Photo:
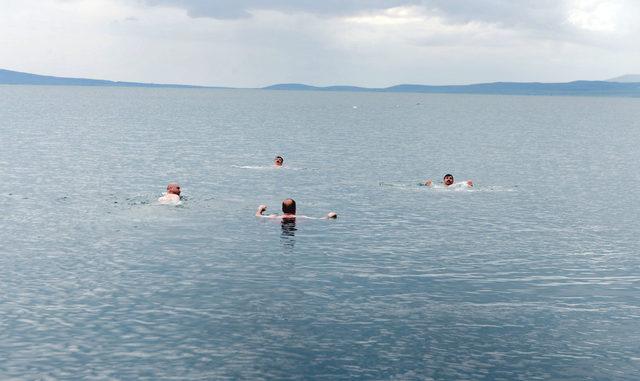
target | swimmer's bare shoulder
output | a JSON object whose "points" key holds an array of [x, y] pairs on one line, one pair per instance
{"points": [[169, 198]]}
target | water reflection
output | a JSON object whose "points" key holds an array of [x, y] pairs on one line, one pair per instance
{"points": [[288, 235]]}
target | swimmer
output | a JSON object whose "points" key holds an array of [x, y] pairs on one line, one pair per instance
{"points": [[448, 181], [288, 212], [172, 196], [278, 161]]}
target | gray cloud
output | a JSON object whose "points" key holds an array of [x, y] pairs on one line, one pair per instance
{"points": [[529, 19], [540, 19], [233, 9], [545, 19], [523, 13]]}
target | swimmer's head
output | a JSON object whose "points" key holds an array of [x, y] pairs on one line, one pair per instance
{"points": [[447, 179], [278, 161], [289, 206], [173, 188]]}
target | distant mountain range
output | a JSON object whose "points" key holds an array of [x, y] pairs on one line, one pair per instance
{"points": [[626, 78], [594, 88], [9, 77], [626, 85]]}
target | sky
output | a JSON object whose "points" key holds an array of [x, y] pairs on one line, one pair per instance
{"points": [[375, 43]]}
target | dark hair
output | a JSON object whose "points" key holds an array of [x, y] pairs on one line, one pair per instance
{"points": [[279, 157], [289, 206], [447, 175]]}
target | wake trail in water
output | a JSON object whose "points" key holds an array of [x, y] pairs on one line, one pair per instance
{"points": [[457, 187], [271, 168]]}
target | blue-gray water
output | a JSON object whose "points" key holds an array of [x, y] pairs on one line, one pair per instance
{"points": [[533, 275]]}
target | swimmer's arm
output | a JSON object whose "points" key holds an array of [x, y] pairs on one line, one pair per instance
{"points": [[469, 183], [331, 215], [261, 210]]}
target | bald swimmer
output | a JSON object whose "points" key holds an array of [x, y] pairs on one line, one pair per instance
{"points": [[172, 196], [288, 211]]}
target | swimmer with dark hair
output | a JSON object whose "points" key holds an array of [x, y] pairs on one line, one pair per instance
{"points": [[172, 196], [278, 161], [448, 181], [288, 212]]}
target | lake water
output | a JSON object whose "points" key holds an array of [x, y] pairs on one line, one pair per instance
{"points": [[532, 275]]}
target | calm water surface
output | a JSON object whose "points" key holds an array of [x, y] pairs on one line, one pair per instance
{"points": [[533, 275]]}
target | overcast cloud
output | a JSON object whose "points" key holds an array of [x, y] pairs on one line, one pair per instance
{"points": [[362, 42]]}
